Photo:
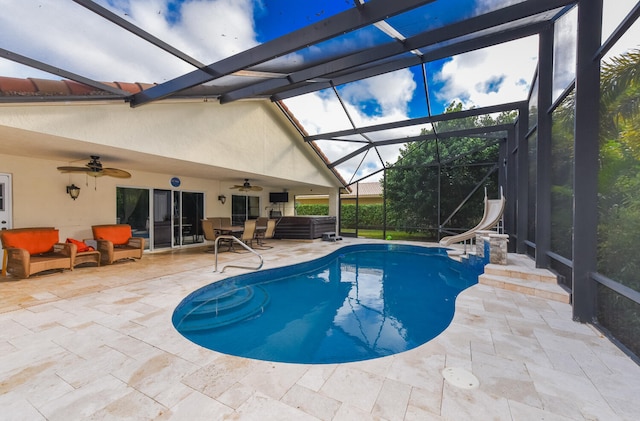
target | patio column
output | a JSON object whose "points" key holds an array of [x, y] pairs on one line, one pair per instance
{"points": [[507, 168], [522, 168], [587, 124], [334, 203], [543, 160]]}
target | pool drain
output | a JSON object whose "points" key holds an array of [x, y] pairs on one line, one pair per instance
{"points": [[461, 378]]}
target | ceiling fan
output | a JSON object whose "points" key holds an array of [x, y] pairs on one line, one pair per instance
{"points": [[246, 186], [94, 169]]}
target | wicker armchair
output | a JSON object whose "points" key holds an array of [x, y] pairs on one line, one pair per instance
{"points": [[115, 242], [31, 250]]}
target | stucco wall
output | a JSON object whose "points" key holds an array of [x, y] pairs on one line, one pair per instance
{"points": [[39, 196], [250, 136], [40, 199]]}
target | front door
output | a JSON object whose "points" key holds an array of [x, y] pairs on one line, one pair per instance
{"points": [[5, 202]]}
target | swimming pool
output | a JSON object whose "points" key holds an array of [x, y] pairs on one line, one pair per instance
{"points": [[357, 303]]}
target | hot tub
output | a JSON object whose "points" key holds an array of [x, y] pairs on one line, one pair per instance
{"points": [[304, 227]]}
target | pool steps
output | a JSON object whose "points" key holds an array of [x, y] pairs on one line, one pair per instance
{"points": [[521, 275], [229, 307], [228, 301]]}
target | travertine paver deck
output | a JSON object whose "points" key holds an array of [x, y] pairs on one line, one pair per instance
{"points": [[97, 343]]}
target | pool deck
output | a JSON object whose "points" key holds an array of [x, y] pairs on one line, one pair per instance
{"points": [[97, 343]]}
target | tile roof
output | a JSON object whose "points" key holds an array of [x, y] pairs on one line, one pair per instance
{"points": [[10, 86], [365, 189]]}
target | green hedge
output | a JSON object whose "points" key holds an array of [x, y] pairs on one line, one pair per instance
{"points": [[371, 216], [314, 209]]}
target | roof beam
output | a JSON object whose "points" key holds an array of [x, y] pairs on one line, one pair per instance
{"points": [[443, 135], [422, 120], [449, 50], [432, 37], [349, 20]]}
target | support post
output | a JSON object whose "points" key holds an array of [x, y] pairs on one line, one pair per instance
{"points": [[522, 159], [543, 159], [586, 144]]}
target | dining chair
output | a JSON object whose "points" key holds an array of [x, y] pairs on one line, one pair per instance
{"points": [[211, 233], [248, 235], [261, 222], [267, 234]]}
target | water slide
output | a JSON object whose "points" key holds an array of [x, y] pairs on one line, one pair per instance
{"points": [[493, 210]]}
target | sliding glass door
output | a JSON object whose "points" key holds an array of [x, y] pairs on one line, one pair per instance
{"points": [[165, 218], [133, 208], [162, 212], [188, 224]]}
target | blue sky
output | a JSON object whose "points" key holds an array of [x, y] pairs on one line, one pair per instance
{"points": [[209, 30], [275, 18]]}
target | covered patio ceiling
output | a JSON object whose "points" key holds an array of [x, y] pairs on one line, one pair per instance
{"points": [[312, 51]]}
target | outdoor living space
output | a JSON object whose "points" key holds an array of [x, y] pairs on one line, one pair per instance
{"points": [[98, 343]]}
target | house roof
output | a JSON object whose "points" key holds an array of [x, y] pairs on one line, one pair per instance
{"points": [[48, 89], [373, 189], [65, 90]]}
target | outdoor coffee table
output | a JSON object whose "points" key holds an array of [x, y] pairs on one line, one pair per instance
{"points": [[91, 256]]}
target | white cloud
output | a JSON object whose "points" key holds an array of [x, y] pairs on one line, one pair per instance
{"points": [[486, 77], [485, 6], [322, 113], [213, 31], [72, 38], [511, 64], [613, 13], [464, 77], [391, 92]]}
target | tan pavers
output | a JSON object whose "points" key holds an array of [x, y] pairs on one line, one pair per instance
{"points": [[98, 343]]}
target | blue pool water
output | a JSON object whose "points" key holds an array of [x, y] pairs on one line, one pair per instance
{"points": [[359, 302]]}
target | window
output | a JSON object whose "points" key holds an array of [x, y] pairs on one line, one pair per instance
{"points": [[243, 208]]}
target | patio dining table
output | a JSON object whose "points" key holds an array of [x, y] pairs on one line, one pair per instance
{"points": [[234, 230], [231, 229]]}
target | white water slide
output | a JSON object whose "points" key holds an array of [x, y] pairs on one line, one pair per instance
{"points": [[493, 210]]}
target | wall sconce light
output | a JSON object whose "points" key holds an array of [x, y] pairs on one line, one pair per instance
{"points": [[222, 198], [73, 191]]}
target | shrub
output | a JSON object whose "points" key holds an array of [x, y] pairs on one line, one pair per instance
{"points": [[312, 209]]}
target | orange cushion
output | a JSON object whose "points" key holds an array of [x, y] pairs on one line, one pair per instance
{"points": [[81, 245], [117, 234], [34, 241]]}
